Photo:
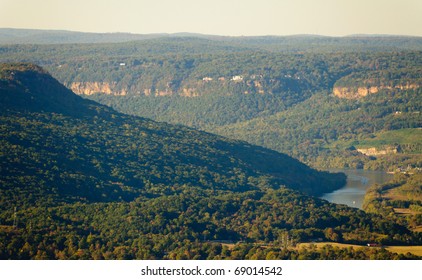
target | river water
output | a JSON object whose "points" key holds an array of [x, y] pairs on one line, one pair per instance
{"points": [[358, 181]]}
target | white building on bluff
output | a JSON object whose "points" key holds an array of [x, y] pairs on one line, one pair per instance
{"points": [[237, 78]]}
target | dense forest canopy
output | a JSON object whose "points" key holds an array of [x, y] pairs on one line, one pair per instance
{"points": [[80, 180], [258, 89]]}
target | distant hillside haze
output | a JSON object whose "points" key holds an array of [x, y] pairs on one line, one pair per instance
{"points": [[279, 43], [34, 36]]}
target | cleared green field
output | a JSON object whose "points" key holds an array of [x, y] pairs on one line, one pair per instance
{"points": [[409, 138], [401, 136]]}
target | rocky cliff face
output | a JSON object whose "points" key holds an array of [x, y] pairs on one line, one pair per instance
{"points": [[359, 92], [378, 152], [89, 88], [189, 92], [186, 88]]}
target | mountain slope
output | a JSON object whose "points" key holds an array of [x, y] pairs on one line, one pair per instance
{"points": [[81, 181], [255, 95], [80, 149], [333, 130], [27, 87], [205, 83]]}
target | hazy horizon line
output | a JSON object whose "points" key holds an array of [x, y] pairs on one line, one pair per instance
{"points": [[215, 35]]}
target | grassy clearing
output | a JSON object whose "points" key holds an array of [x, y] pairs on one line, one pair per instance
{"points": [[400, 194], [228, 245], [404, 211], [417, 229], [4, 228], [401, 136], [321, 244], [386, 138], [409, 191], [416, 250]]}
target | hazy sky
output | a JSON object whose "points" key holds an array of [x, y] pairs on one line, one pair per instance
{"points": [[220, 17]]}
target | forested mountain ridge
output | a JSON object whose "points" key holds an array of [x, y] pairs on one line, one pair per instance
{"points": [[357, 85], [334, 132], [29, 88], [39, 113], [81, 181], [221, 85]]}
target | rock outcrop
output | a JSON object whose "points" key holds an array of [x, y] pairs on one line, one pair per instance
{"points": [[89, 88], [378, 152], [359, 92]]}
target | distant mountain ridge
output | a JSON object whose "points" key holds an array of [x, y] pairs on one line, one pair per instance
{"points": [[216, 84], [38, 36]]}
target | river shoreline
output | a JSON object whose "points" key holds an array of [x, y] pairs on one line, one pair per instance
{"points": [[358, 181]]}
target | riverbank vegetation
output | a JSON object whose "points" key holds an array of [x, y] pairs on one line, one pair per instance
{"points": [[399, 200]]}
